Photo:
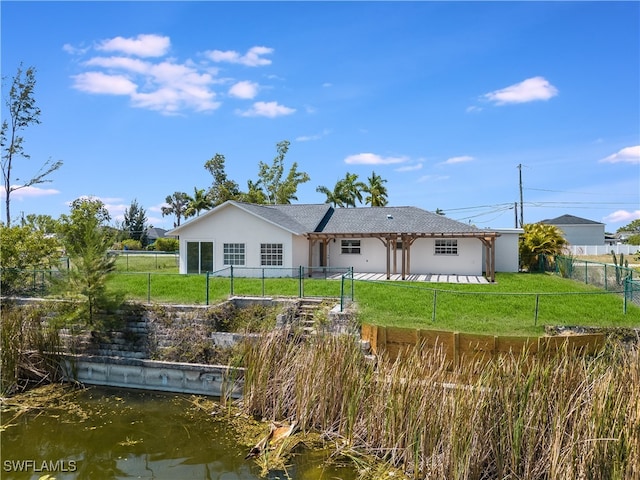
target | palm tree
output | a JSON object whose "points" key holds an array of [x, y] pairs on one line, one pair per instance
{"points": [[351, 189], [200, 201], [538, 242], [377, 192], [254, 194], [334, 196], [176, 205]]}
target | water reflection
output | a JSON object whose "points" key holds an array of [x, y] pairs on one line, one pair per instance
{"points": [[105, 433]]}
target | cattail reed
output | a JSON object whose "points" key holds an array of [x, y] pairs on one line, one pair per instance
{"points": [[564, 416]]}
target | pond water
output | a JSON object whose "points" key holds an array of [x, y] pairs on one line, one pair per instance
{"points": [[107, 433]]}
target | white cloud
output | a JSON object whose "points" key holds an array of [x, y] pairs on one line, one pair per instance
{"points": [[410, 168], [98, 82], [134, 68], [622, 216], [253, 57], [141, 46], [267, 109], [244, 89], [529, 90], [317, 136], [432, 178], [166, 87], [473, 109], [120, 63], [461, 159], [372, 159], [628, 154], [28, 192]]}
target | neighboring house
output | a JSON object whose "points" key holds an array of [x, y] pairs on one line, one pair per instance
{"points": [[578, 231], [387, 240], [154, 233]]}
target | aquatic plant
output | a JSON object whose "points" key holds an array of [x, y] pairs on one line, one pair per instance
{"points": [[560, 416], [30, 353]]}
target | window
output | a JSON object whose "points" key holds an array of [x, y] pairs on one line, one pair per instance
{"points": [[199, 257], [446, 246], [271, 254], [233, 253], [350, 246]]}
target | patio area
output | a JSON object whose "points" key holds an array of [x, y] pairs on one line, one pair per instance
{"points": [[431, 278]]}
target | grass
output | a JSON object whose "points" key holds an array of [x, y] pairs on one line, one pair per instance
{"points": [[518, 304]]}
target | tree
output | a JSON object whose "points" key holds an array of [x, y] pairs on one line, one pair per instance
{"points": [[222, 189], [633, 227], [376, 191], [87, 239], [42, 223], [254, 194], [538, 242], [351, 189], [200, 201], [25, 250], [277, 190], [335, 196], [135, 222], [22, 113], [176, 205]]}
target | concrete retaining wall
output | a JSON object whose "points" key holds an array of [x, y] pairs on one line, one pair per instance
{"points": [[211, 380]]}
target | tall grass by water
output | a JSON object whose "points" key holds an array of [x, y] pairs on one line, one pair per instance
{"points": [[30, 349], [558, 417]]}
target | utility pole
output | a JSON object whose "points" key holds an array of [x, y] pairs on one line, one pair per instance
{"points": [[515, 209], [521, 203]]}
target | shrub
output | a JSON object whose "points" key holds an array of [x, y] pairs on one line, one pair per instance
{"points": [[131, 244], [166, 245]]}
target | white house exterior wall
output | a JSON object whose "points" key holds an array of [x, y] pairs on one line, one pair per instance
{"points": [[301, 251], [373, 257], [233, 225], [507, 250]]}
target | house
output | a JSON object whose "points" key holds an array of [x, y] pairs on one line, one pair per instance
{"points": [[578, 231], [369, 239]]}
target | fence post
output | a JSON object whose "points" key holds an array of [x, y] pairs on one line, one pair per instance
{"points": [[605, 277], [300, 274], [535, 321], [207, 287], [586, 272], [263, 282], [149, 288], [341, 292], [627, 287], [352, 285], [433, 313], [231, 280]]}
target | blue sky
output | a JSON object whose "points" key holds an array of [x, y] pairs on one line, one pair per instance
{"points": [[442, 99]]}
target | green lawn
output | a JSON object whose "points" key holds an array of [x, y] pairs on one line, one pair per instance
{"points": [[518, 304]]}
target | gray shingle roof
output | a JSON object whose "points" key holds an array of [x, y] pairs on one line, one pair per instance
{"points": [[323, 218], [569, 220], [393, 220], [299, 219]]}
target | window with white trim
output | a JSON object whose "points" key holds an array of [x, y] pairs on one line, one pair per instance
{"points": [[446, 246], [233, 253], [271, 254], [350, 246]]}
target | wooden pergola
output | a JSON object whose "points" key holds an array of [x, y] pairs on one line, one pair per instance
{"points": [[390, 241]]}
